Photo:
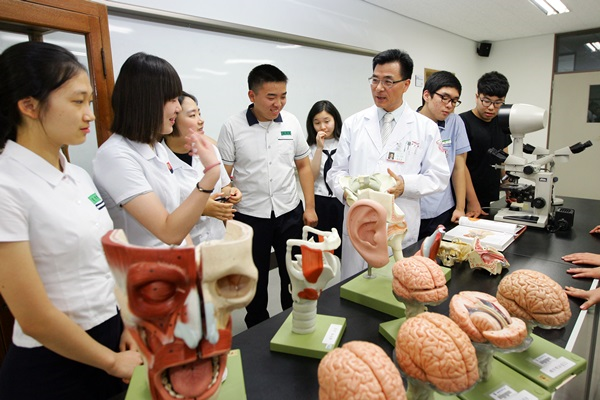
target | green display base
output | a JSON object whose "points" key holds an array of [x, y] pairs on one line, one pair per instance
{"points": [[376, 293], [316, 344], [390, 329], [233, 388], [559, 365], [503, 382]]}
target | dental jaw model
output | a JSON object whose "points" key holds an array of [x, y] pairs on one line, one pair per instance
{"points": [[374, 187], [176, 302], [309, 274]]}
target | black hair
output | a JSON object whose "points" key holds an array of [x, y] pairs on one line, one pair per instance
{"points": [[395, 55], [264, 73], [319, 106], [31, 69], [144, 85], [182, 97], [493, 84], [441, 79]]}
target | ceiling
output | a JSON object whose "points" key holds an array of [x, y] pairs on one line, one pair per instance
{"points": [[493, 20]]}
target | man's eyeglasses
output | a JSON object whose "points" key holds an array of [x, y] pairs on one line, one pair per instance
{"points": [[447, 99], [387, 83], [486, 102]]}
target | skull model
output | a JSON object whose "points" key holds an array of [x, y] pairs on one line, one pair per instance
{"points": [[453, 252], [176, 302]]}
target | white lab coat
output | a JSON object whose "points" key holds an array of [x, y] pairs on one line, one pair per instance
{"points": [[360, 152]]}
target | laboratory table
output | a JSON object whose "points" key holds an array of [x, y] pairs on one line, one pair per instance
{"points": [[273, 375]]}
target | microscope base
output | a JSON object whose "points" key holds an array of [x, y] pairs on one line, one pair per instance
{"points": [[521, 218]]}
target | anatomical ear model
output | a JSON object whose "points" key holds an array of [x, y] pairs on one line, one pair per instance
{"points": [[176, 302], [359, 371], [367, 230], [535, 298], [453, 252], [435, 354], [375, 187], [486, 258], [418, 281], [309, 274], [489, 326]]}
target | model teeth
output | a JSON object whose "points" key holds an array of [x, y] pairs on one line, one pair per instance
{"points": [[169, 388]]}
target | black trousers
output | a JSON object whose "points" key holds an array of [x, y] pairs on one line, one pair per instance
{"points": [[429, 225], [331, 215], [275, 232], [39, 373]]}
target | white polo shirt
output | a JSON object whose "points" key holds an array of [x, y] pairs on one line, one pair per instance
{"points": [[207, 228], [63, 218], [320, 188], [123, 170], [263, 156]]}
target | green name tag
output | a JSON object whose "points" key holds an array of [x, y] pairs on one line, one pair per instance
{"points": [[94, 198], [286, 133]]}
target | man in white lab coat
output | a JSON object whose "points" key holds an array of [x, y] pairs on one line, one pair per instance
{"points": [[389, 137]]}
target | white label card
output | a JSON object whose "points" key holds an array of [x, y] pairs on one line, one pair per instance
{"points": [[558, 367], [332, 335], [507, 393]]}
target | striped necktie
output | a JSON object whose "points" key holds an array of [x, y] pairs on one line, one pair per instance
{"points": [[386, 129]]}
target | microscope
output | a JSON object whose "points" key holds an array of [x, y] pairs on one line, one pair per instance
{"points": [[533, 203]]}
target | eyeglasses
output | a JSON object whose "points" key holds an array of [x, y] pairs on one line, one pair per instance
{"points": [[387, 83], [486, 102], [447, 99]]}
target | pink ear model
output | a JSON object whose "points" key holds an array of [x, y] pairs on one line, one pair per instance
{"points": [[367, 229]]}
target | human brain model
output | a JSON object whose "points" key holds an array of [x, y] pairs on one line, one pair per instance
{"points": [[533, 296], [485, 320], [359, 370], [419, 279], [432, 348]]}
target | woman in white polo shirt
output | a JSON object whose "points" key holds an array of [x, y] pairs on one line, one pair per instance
{"points": [[188, 169], [132, 169], [53, 274]]}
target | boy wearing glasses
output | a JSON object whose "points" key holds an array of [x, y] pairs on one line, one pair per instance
{"points": [[483, 180], [440, 96], [390, 138]]}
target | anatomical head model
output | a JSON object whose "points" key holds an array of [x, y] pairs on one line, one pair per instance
{"points": [[431, 244], [486, 258], [432, 349], [309, 274], [176, 302], [489, 326], [374, 187], [418, 281], [535, 298], [359, 371]]}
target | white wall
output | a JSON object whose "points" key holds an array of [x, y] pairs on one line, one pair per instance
{"points": [[526, 62]]}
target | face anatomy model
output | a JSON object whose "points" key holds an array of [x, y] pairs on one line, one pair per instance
{"points": [[176, 302], [309, 274]]}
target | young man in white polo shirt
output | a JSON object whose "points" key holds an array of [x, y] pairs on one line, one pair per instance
{"points": [[265, 145]]}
